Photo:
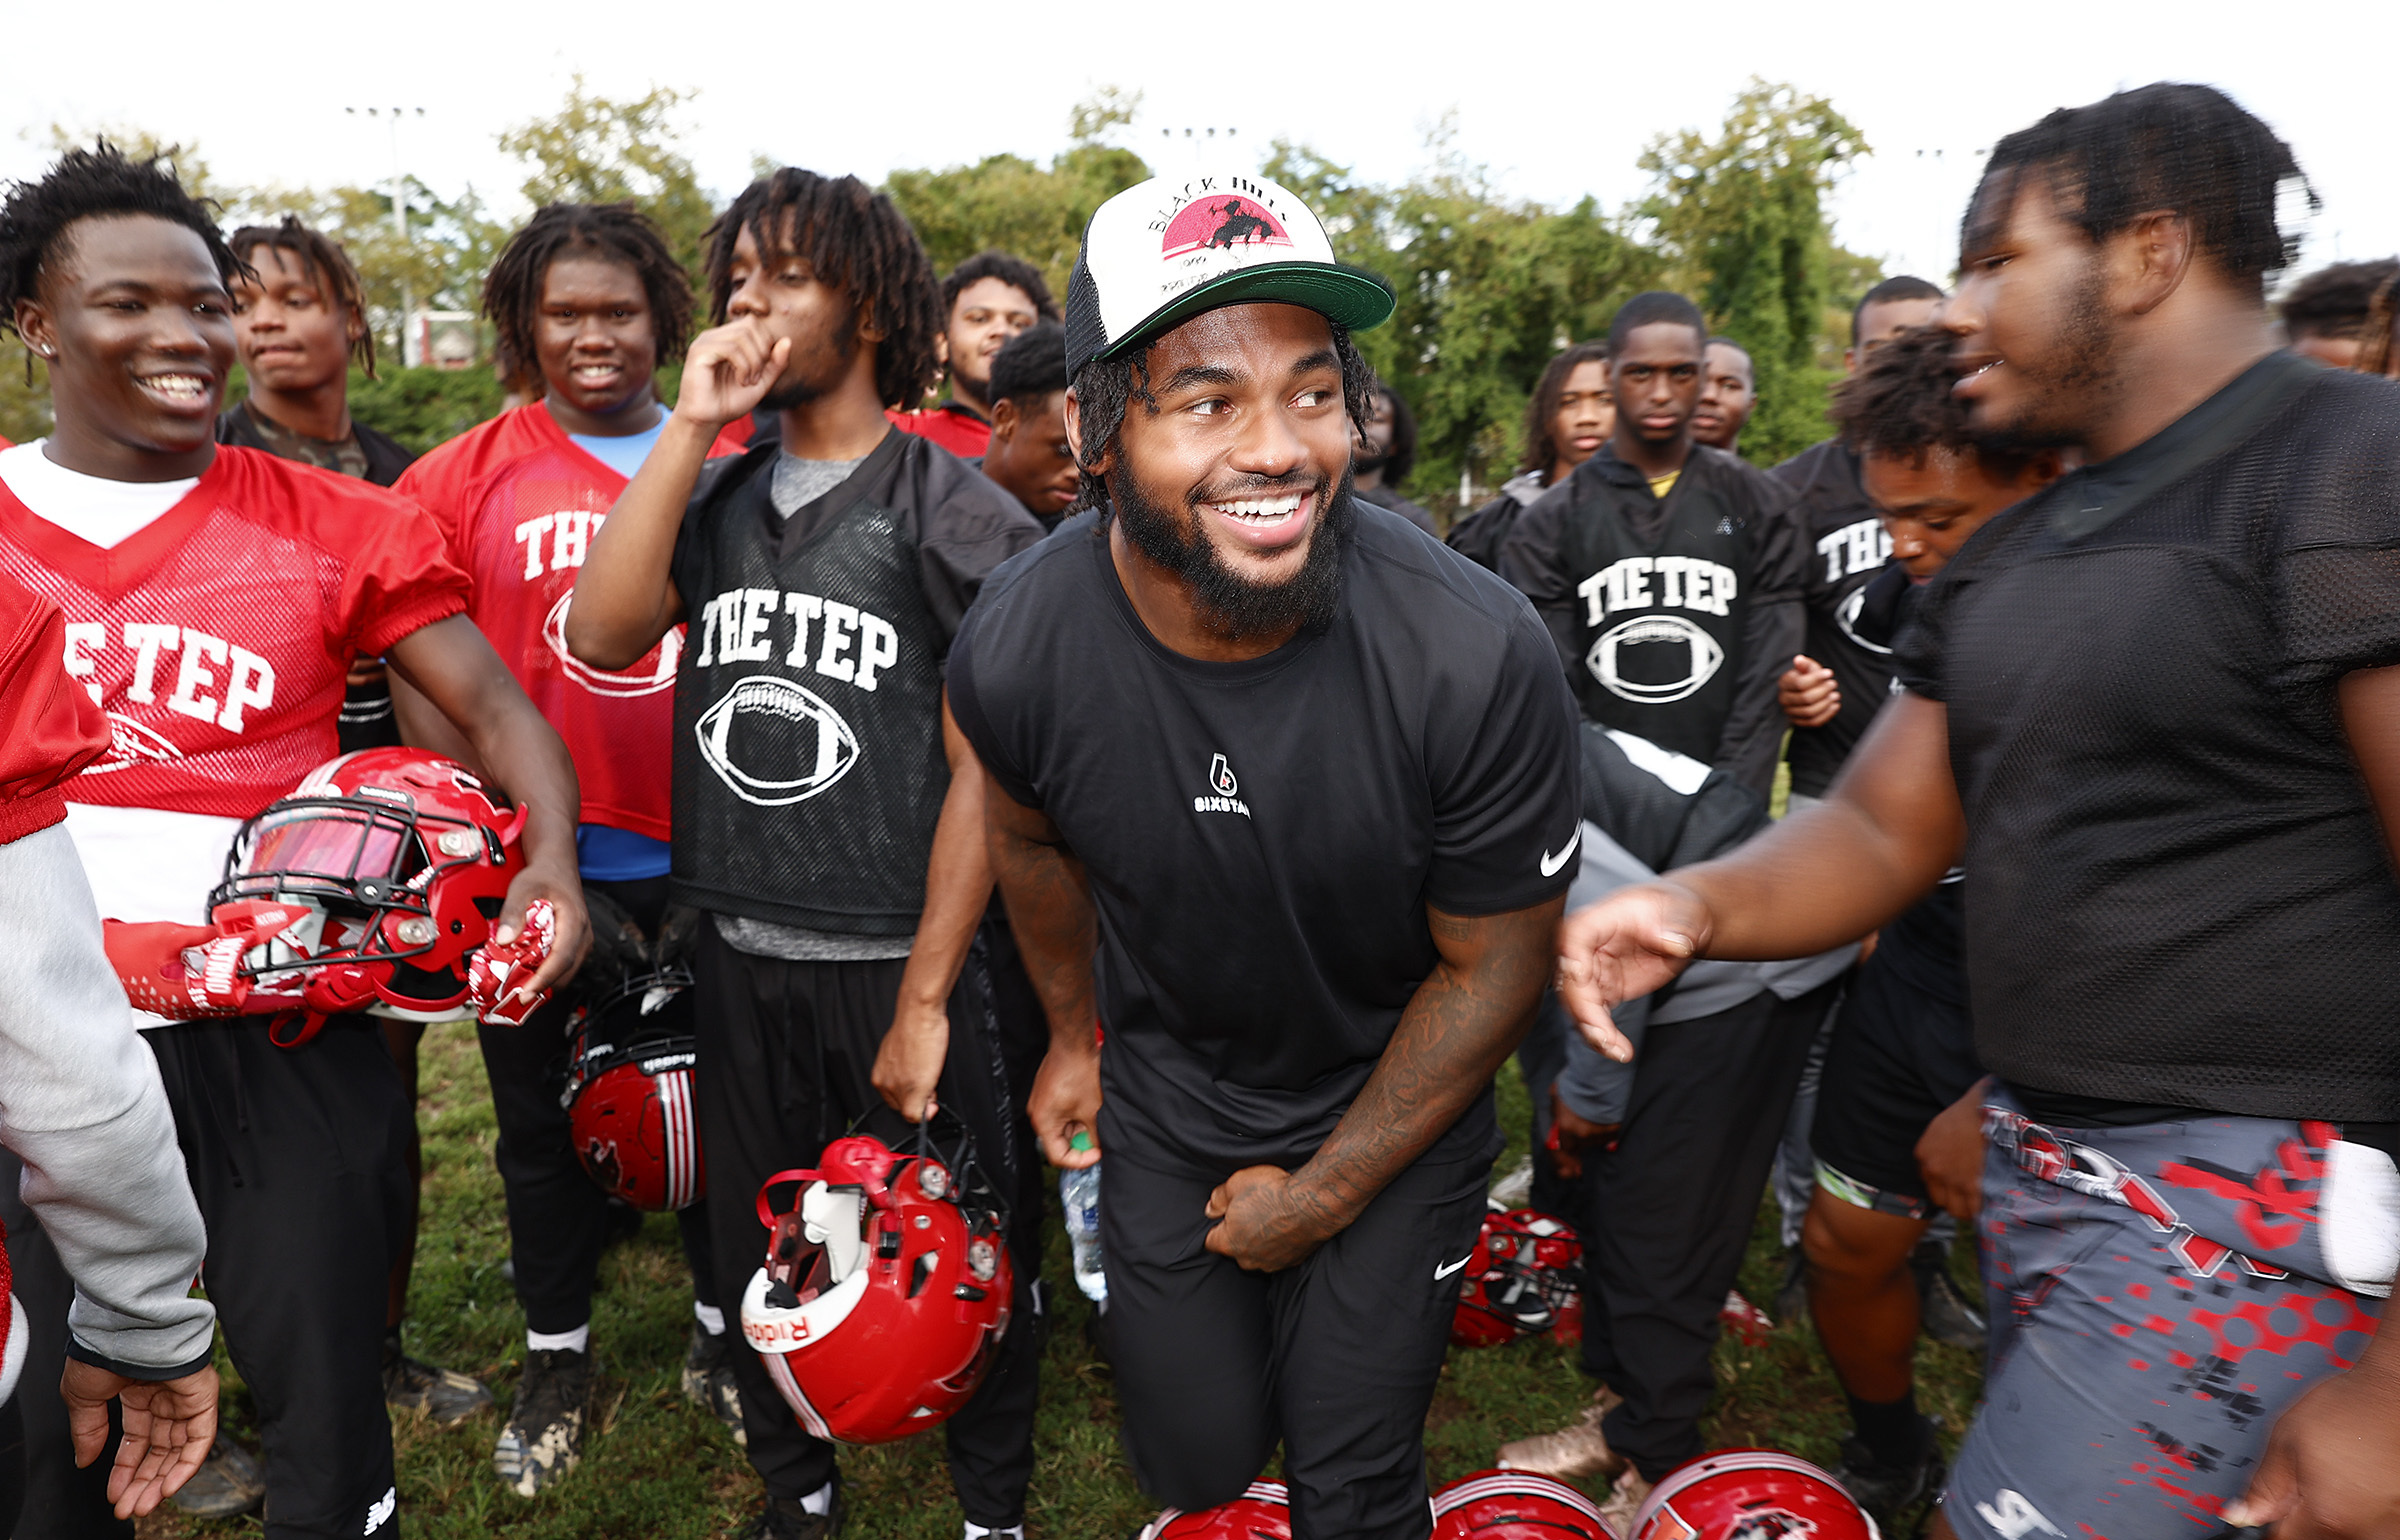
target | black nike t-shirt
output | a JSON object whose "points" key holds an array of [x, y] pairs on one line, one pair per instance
{"points": [[2177, 889], [1263, 838]]}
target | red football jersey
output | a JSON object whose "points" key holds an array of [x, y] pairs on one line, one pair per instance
{"points": [[953, 427], [217, 638], [520, 502]]}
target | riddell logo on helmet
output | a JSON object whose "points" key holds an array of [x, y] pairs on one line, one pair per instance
{"points": [[777, 1334]]}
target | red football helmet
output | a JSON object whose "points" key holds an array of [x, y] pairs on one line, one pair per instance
{"points": [[629, 1094], [1751, 1494], [374, 885], [1526, 1276], [1515, 1505], [1264, 1512], [886, 1287]]}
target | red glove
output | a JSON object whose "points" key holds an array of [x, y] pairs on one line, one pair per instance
{"points": [[491, 968], [186, 972]]}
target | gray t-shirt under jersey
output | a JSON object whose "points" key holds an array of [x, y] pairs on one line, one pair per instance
{"points": [[796, 484]]}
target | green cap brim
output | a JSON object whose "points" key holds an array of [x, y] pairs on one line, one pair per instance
{"points": [[1350, 297]]}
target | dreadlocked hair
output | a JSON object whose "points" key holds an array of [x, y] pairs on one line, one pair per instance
{"points": [[2379, 344], [853, 239], [97, 183], [2188, 148], [1541, 413], [612, 232], [1900, 404], [1105, 387], [325, 258]]}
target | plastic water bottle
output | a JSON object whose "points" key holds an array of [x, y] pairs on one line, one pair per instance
{"points": [[1079, 1194]]}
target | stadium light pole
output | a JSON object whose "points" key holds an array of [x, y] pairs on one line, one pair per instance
{"points": [[390, 117]]}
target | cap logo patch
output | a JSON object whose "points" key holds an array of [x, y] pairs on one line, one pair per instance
{"points": [[1229, 222]]}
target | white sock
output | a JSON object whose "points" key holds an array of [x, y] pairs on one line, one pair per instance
{"points": [[819, 1501], [710, 1317], [978, 1532], [577, 1341]]}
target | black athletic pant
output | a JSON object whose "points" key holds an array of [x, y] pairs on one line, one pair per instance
{"points": [[786, 1052], [1673, 1207], [60, 1502], [1023, 1032], [12, 1466], [1336, 1357], [558, 1220], [295, 1156]]}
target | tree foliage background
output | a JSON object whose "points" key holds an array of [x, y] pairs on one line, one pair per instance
{"points": [[1489, 287]]}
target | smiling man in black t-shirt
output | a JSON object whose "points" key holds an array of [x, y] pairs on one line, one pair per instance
{"points": [[1307, 782], [2156, 709]]}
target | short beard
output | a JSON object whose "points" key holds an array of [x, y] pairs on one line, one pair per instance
{"points": [[791, 392], [1232, 606], [2076, 381]]}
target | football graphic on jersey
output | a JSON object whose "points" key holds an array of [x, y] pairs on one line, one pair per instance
{"points": [[774, 743], [653, 674], [1654, 659], [1845, 615], [131, 744]]}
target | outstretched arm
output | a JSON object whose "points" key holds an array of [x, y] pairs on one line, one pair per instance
{"points": [[1466, 1018], [451, 665], [1888, 830], [1049, 901]]}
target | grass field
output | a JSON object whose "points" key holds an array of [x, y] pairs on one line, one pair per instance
{"points": [[654, 1465]]}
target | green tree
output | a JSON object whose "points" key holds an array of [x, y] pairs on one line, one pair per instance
{"points": [[1739, 221], [599, 149], [1009, 203], [1489, 290]]}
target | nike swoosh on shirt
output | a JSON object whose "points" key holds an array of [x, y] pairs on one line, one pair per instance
{"points": [[1551, 864], [1440, 1273]]}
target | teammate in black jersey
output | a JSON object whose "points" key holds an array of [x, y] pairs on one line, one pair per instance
{"points": [[1668, 572], [1902, 1055], [1029, 454], [2156, 709], [1728, 395], [817, 816], [1569, 417]]}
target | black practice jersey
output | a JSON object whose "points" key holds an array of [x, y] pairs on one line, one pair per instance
{"points": [[2177, 889], [1673, 616], [1263, 837], [1844, 546], [809, 769]]}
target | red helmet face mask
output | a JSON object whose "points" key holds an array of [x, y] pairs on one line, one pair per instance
{"points": [[886, 1289], [1750, 1494], [1264, 1512], [1515, 1505], [373, 886], [1526, 1277], [629, 1094]]}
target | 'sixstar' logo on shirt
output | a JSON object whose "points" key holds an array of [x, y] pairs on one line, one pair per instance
{"points": [[1220, 776]]}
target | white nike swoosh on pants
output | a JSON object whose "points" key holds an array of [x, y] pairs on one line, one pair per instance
{"points": [[1440, 1273]]}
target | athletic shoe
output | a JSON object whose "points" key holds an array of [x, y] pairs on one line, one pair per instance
{"points": [[445, 1396], [1624, 1501], [228, 1484], [1575, 1452], [1942, 1312], [782, 1518], [708, 1379], [544, 1436], [1791, 1295], [1890, 1491]]}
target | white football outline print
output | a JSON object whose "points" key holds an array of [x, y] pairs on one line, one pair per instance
{"points": [[1845, 616], [837, 745], [131, 745], [1706, 658], [624, 685]]}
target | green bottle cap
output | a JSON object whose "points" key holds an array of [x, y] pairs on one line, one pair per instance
{"points": [[1081, 1141]]}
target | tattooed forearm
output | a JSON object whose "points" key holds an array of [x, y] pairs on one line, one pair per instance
{"points": [[1465, 1019]]}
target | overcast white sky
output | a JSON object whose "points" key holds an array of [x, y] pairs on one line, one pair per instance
{"points": [[1557, 100]]}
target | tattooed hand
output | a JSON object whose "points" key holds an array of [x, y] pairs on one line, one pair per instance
{"points": [[1267, 1222]]}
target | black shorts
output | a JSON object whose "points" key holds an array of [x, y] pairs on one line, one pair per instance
{"points": [[1900, 1054]]}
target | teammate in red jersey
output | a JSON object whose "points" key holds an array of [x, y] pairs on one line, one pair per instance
{"points": [[214, 599], [594, 299], [986, 300]]}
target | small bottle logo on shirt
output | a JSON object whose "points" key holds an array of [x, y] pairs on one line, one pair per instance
{"points": [[1220, 775]]}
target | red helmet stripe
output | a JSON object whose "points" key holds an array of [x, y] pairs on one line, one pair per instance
{"points": [[1512, 1484]]}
